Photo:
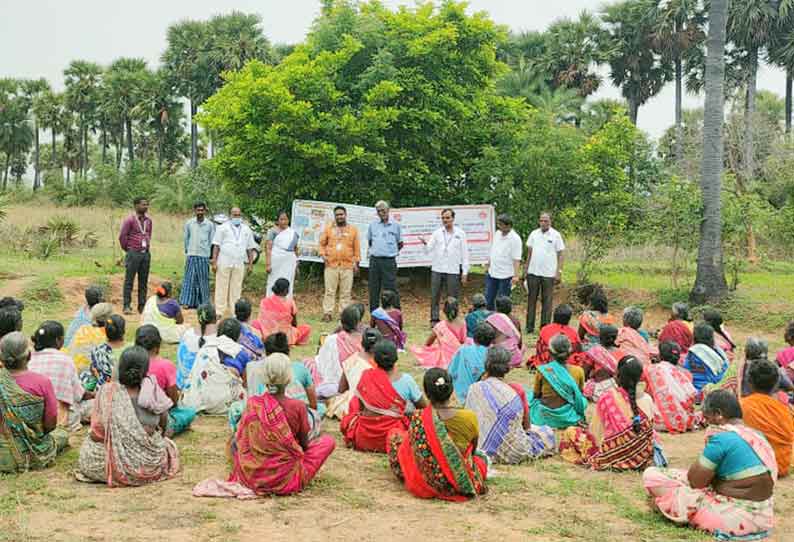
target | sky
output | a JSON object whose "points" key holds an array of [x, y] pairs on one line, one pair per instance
{"points": [[38, 38]]}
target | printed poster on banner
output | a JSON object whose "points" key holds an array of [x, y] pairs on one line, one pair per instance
{"points": [[478, 221]]}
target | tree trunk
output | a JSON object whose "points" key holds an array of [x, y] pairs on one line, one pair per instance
{"points": [[85, 152], [679, 121], [104, 146], [130, 156], [634, 108], [5, 170], [36, 154], [710, 284], [54, 135], [789, 85], [749, 113], [80, 144], [160, 148], [193, 135]]}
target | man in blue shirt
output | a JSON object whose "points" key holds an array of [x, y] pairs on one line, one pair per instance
{"points": [[199, 232], [385, 240]]}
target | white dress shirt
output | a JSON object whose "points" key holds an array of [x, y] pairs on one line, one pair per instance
{"points": [[545, 246], [234, 242], [505, 251], [449, 251]]}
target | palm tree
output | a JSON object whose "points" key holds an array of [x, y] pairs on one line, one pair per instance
{"points": [[48, 108], [82, 80], [562, 103], [125, 84], [34, 90], [781, 52], [710, 281]]}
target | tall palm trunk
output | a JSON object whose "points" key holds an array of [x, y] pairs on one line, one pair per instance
{"points": [[130, 157], [5, 170], [54, 134], [84, 160], [710, 281], [789, 85], [104, 146], [634, 109], [749, 147], [193, 135], [679, 115], [36, 150]]}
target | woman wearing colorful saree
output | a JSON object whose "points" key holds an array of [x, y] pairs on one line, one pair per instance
{"points": [[672, 392], [271, 449], [105, 357], [281, 259], [389, 319], [164, 312], [678, 329], [29, 438], [591, 320], [722, 338], [380, 402], [560, 320], [352, 369], [600, 363], [88, 337], [119, 450], [557, 399], [630, 339], [192, 341], [277, 312], [785, 358], [479, 312], [706, 361], [728, 490], [508, 330], [445, 339], [327, 367], [468, 363], [506, 434], [437, 457], [249, 339]]}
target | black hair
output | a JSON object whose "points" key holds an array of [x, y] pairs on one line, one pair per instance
{"points": [[788, 335], [362, 310], [281, 212], [199, 204], [607, 335], [385, 354], [139, 199], [13, 303], [10, 320], [339, 208], [629, 375], [206, 315], [478, 302], [448, 210], [167, 289], [47, 335], [370, 338], [598, 302], [670, 351], [505, 219], [764, 375], [133, 366], [713, 318], [277, 343], [350, 318], [562, 314], [503, 304], [497, 361], [704, 334], [115, 327], [484, 334], [242, 310], [94, 295], [148, 337], [451, 308], [230, 327], [388, 299], [723, 402], [280, 287], [438, 385]]}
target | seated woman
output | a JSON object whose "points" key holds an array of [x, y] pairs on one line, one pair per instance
{"points": [[560, 320], [437, 457], [600, 363], [352, 369], [722, 338], [468, 363], [88, 337], [327, 367], [444, 340], [557, 399], [679, 328], [380, 402], [164, 312], [478, 313], [506, 434], [508, 330], [74, 401], [192, 341], [249, 339], [758, 349], [388, 319], [278, 312], [728, 490], [765, 413], [179, 417], [672, 392], [706, 361], [271, 450], [105, 357], [630, 339], [29, 438], [93, 295], [785, 358], [591, 321], [125, 446], [231, 329]]}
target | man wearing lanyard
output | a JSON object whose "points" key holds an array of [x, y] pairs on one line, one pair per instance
{"points": [[232, 252], [544, 269], [450, 261], [135, 239], [385, 240], [340, 249]]}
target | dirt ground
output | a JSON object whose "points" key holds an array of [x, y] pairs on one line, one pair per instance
{"points": [[355, 496]]}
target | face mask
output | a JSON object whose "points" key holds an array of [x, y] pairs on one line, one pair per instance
{"points": [[237, 221]]}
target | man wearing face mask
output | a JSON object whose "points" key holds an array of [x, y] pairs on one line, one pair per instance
{"points": [[232, 252], [385, 240], [340, 249], [199, 233]]}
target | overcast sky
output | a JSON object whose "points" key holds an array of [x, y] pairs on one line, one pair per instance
{"points": [[40, 37]]}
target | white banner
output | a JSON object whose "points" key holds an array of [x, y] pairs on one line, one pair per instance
{"points": [[478, 221]]}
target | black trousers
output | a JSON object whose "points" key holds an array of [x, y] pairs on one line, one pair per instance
{"points": [[136, 263], [439, 281], [382, 276], [544, 286]]}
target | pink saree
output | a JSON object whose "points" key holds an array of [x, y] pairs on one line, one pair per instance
{"points": [[632, 344], [276, 314], [509, 337], [440, 353], [673, 396]]}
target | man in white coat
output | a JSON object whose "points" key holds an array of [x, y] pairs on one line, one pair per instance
{"points": [[450, 261], [232, 253]]}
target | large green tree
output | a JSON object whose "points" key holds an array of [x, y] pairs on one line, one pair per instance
{"points": [[82, 80], [16, 135]]}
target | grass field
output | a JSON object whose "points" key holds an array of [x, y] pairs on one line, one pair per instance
{"points": [[355, 496]]}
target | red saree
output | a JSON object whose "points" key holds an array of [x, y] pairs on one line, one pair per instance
{"points": [[276, 314], [367, 432], [679, 333]]}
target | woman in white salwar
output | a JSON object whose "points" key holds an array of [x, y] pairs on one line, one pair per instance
{"points": [[281, 258]]}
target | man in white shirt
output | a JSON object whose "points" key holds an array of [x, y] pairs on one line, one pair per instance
{"points": [[232, 252], [450, 261], [544, 269], [504, 263]]}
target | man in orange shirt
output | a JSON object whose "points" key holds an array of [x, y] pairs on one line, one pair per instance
{"points": [[340, 248]]}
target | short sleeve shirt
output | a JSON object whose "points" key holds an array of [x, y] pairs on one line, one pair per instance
{"points": [[731, 457], [233, 243], [40, 386], [384, 239], [407, 388], [544, 246], [164, 371], [302, 375], [505, 250]]}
